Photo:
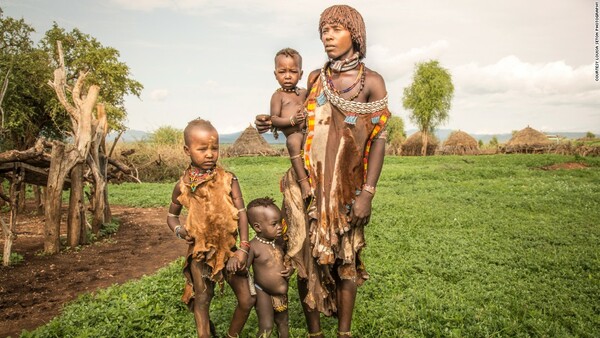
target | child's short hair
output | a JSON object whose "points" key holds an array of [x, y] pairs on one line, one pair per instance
{"points": [[291, 53], [351, 19], [196, 123], [259, 202]]}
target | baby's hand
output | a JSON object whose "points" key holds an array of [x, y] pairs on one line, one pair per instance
{"points": [[299, 117], [287, 272]]}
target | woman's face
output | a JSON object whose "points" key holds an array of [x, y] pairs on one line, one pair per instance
{"points": [[337, 41]]}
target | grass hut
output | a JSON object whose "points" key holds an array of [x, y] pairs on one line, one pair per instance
{"points": [[412, 146], [529, 141], [251, 143], [460, 143]]}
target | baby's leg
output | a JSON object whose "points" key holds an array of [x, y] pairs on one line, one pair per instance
{"points": [[264, 311], [245, 302], [294, 146], [282, 322], [203, 293]]}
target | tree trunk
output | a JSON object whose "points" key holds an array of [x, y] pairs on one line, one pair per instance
{"points": [[21, 202], [9, 229], [39, 205], [424, 139], [56, 180], [76, 217]]}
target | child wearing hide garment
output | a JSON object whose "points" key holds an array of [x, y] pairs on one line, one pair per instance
{"points": [[287, 111], [216, 215], [270, 275]]}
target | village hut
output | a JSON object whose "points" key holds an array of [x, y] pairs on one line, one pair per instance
{"points": [[413, 144], [250, 143], [529, 141], [459, 143]]}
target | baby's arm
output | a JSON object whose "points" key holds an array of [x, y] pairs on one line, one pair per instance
{"points": [[276, 110], [173, 217], [238, 261]]}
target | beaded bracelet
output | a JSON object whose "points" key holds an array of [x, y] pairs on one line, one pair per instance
{"points": [[245, 244], [243, 250]]}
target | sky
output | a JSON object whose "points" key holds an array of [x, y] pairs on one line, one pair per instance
{"points": [[513, 63]]}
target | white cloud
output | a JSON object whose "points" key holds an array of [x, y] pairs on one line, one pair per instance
{"points": [[400, 65], [512, 74], [159, 94]]}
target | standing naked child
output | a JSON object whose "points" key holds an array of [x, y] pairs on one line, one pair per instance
{"points": [[270, 275], [216, 215], [287, 111]]}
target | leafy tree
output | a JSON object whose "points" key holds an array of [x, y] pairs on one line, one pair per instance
{"points": [[494, 142], [24, 70], [589, 134], [429, 97], [395, 128], [480, 143], [83, 52], [167, 135]]}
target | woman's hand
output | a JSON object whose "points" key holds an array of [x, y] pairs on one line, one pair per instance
{"points": [[262, 122], [360, 213]]}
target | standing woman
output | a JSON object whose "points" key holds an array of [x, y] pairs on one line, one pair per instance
{"points": [[344, 149]]}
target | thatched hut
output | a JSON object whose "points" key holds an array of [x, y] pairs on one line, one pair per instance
{"points": [[529, 141], [250, 143], [413, 144], [459, 143]]}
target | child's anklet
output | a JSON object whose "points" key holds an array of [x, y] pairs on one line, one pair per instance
{"points": [[295, 157], [320, 333], [230, 336], [348, 333]]}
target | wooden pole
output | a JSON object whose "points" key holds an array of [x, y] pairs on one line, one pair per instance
{"points": [[76, 215], [9, 231]]}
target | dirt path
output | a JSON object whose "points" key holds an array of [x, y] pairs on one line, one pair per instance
{"points": [[34, 291]]}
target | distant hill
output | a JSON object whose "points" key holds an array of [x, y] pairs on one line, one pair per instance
{"points": [[441, 134]]}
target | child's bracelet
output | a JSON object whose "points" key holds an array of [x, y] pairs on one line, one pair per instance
{"points": [[243, 250], [245, 244], [172, 215], [177, 228]]}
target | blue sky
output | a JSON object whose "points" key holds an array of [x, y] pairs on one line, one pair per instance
{"points": [[514, 63]]}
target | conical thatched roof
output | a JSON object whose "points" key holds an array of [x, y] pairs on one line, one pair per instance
{"points": [[251, 143], [529, 137], [529, 141], [460, 143], [413, 144]]}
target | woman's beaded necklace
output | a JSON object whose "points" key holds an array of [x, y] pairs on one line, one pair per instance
{"points": [[360, 78]]}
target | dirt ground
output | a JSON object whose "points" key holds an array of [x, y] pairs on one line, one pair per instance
{"points": [[565, 166], [34, 291]]}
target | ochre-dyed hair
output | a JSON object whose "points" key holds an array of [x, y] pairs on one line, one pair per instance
{"points": [[291, 53], [259, 202], [196, 123], [351, 19]]}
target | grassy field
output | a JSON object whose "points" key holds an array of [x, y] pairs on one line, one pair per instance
{"points": [[471, 246]]}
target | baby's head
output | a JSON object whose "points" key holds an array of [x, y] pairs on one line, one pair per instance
{"points": [[265, 218], [201, 144], [288, 68]]}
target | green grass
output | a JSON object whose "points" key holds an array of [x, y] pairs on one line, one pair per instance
{"points": [[474, 246]]}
